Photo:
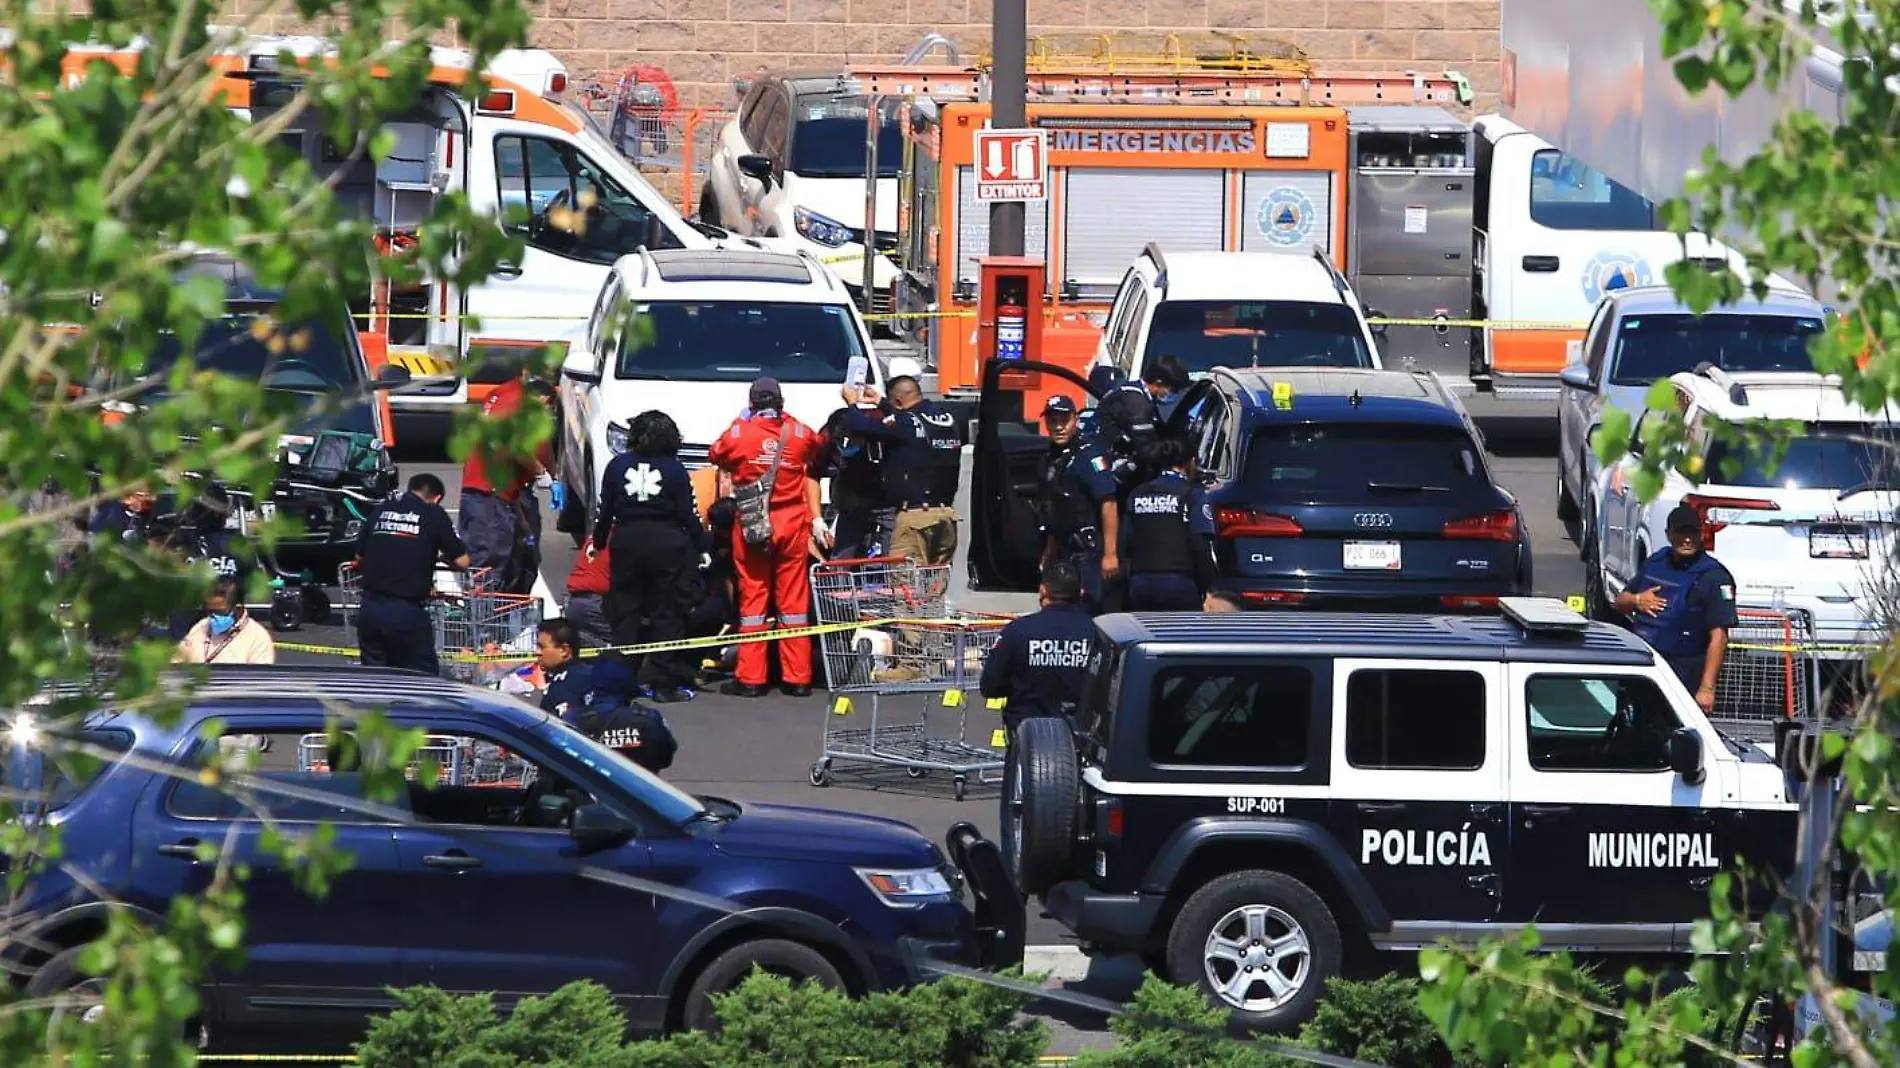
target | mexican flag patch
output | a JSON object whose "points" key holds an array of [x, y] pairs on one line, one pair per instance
{"points": [[1100, 463], [1728, 593]]}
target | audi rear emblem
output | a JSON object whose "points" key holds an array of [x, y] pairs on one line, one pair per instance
{"points": [[1372, 519]]}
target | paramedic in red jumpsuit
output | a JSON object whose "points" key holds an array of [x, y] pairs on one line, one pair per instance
{"points": [[775, 574]]}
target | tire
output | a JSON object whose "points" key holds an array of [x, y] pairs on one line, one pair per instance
{"points": [[1596, 603], [1042, 785], [1567, 509], [61, 974], [1249, 912], [792, 960], [708, 206]]}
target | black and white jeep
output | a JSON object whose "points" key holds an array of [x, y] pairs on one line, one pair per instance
{"points": [[1245, 796]]}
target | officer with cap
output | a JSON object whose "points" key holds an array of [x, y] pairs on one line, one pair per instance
{"points": [[397, 551], [1168, 537], [1041, 660], [920, 469], [1682, 602], [1081, 518]]}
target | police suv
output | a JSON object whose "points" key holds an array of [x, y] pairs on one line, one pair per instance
{"points": [[1244, 798]]}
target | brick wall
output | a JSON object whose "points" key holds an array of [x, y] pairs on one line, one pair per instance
{"points": [[704, 44]]}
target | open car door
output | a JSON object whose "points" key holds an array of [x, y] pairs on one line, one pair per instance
{"points": [[1189, 418], [1006, 471]]}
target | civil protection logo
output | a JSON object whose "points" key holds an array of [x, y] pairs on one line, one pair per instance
{"points": [[1286, 217], [1613, 269]]}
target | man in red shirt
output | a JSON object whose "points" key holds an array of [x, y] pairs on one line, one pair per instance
{"points": [[587, 587], [499, 518], [766, 443]]}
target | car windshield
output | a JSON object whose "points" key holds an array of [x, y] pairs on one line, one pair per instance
{"points": [[733, 341], [669, 802], [306, 357], [1834, 456], [829, 140], [1205, 334], [1329, 460], [1649, 347]]}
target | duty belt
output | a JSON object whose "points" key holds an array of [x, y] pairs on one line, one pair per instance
{"points": [[925, 504]]}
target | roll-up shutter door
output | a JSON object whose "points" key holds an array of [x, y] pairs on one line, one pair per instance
{"points": [[973, 229], [1287, 210], [1110, 215]]}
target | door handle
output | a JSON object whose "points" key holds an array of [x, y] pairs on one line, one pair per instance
{"points": [[455, 860], [1541, 264], [184, 848], [505, 269], [1380, 806], [1482, 810], [1701, 882], [1486, 882], [1546, 810]]}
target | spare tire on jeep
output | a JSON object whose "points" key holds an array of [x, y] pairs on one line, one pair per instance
{"points": [[1042, 786]]}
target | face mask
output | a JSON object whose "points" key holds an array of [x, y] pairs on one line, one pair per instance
{"points": [[222, 622]]}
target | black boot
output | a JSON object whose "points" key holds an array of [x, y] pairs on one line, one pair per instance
{"points": [[735, 688]]}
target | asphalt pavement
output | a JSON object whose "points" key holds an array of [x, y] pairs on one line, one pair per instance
{"points": [[763, 749]]}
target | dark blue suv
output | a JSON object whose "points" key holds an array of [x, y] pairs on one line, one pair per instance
{"points": [[535, 861], [1331, 487]]}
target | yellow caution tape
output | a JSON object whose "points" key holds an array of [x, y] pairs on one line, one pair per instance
{"points": [[344, 1058], [967, 313]]}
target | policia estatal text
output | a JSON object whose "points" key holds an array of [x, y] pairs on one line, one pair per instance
{"points": [[398, 550]]}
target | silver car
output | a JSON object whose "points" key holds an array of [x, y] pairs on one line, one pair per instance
{"points": [[1643, 334]]}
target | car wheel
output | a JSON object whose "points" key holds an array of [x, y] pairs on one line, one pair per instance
{"points": [[1261, 945], [774, 956], [1042, 785], [1596, 602], [708, 206], [1567, 510], [76, 994]]}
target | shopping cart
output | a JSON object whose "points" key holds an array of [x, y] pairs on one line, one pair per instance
{"points": [[480, 632], [1769, 674], [906, 653], [459, 761]]}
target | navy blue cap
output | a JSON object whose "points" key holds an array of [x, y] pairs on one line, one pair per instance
{"points": [[1061, 403]]}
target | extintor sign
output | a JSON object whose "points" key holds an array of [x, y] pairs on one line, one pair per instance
{"points": [[1012, 165]]}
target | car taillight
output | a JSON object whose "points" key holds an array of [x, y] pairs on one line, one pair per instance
{"points": [[1247, 523], [1109, 821], [1473, 601], [1271, 597], [1704, 506], [1491, 526]]}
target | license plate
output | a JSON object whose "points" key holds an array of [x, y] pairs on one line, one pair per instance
{"points": [[1372, 556], [1837, 543]]}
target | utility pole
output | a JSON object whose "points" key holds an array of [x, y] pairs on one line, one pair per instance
{"points": [[1009, 110]]}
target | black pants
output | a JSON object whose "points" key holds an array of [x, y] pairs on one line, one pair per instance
{"points": [[398, 634], [863, 532], [588, 613], [655, 583], [1158, 591]]}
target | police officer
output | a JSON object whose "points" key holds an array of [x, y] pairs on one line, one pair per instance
{"points": [[1123, 423], [126, 519], [597, 698], [1041, 660], [1167, 380], [1682, 602], [854, 465], [1081, 518], [921, 465], [1168, 536], [398, 551]]}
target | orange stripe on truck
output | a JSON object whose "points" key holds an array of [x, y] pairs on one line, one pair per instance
{"points": [[1531, 352]]}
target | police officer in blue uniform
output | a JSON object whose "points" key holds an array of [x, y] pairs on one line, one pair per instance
{"points": [[1123, 424], [1168, 536], [598, 700], [397, 551], [1041, 660], [126, 519], [1081, 517], [1682, 602], [922, 462]]}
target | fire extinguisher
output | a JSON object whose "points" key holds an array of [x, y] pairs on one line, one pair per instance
{"points": [[1011, 329]]}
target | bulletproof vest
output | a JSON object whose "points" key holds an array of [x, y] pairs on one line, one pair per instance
{"points": [[1157, 521], [1065, 503], [636, 730], [1127, 419], [1677, 629], [928, 473]]}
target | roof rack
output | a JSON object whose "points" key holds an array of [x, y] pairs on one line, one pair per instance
{"points": [[1094, 85], [1543, 616], [1153, 251], [1340, 285], [1737, 393]]}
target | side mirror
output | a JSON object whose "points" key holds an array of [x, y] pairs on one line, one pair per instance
{"points": [[1685, 755], [756, 167], [579, 367], [595, 827], [390, 376], [1576, 376]]}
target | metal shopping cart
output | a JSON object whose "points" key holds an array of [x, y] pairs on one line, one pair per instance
{"points": [[481, 633], [1769, 675], [460, 761], [906, 653]]}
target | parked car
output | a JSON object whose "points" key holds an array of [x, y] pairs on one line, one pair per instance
{"points": [[1642, 335], [540, 857]]}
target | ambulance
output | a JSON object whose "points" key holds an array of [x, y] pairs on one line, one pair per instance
{"points": [[523, 153]]}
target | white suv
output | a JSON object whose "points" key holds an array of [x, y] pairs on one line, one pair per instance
{"points": [[1812, 534], [709, 323], [791, 165], [1236, 309]]}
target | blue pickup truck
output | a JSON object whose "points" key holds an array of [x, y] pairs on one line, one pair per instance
{"points": [[539, 857]]}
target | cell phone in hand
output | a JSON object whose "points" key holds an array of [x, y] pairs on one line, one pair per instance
{"points": [[857, 372]]}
